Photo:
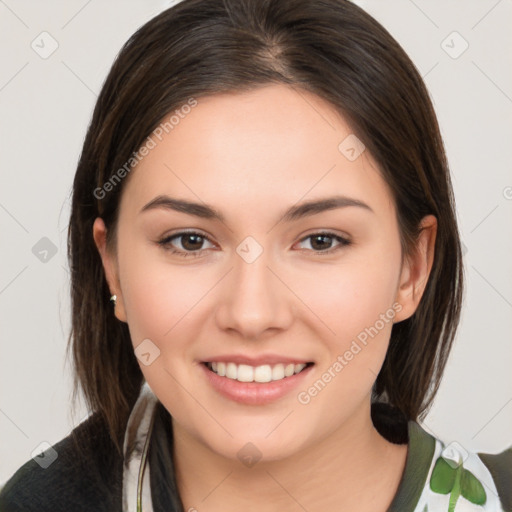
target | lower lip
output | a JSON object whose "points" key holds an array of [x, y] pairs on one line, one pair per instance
{"points": [[254, 393]]}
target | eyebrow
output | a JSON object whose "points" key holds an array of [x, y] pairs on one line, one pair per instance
{"points": [[293, 213]]}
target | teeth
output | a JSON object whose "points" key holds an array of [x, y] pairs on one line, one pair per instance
{"points": [[278, 372], [289, 370], [231, 371], [247, 373], [263, 373]]}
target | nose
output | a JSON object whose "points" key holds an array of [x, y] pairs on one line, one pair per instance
{"points": [[255, 299]]}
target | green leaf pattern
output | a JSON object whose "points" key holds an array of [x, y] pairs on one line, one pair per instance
{"points": [[453, 479]]}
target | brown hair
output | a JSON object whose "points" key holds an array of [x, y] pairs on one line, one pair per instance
{"points": [[331, 48]]}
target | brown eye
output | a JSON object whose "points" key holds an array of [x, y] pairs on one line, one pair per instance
{"points": [[190, 243], [322, 242]]}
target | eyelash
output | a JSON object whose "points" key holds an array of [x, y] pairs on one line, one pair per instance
{"points": [[165, 243]]}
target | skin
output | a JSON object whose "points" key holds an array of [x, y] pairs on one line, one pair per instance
{"points": [[251, 156]]}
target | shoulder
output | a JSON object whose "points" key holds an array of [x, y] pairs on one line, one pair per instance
{"points": [[85, 475], [499, 466], [444, 477], [479, 481]]}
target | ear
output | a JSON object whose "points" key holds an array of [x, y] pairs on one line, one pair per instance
{"points": [[416, 270], [110, 266]]}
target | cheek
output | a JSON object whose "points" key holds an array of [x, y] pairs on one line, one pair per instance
{"points": [[159, 297], [346, 375], [348, 297], [356, 300], [162, 303]]}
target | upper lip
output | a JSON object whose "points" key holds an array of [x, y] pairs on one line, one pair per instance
{"points": [[260, 360]]}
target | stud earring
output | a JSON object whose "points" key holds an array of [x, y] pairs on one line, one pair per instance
{"points": [[113, 299]]}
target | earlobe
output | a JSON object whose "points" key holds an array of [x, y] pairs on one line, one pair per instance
{"points": [[416, 270], [110, 268]]}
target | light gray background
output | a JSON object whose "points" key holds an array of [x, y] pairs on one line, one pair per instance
{"points": [[45, 107]]}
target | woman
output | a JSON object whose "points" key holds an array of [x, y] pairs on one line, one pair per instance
{"points": [[264, 198]]}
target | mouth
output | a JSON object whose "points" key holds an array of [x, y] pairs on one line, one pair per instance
{"points": [[255, 379], [262, 374], [254, 385]]}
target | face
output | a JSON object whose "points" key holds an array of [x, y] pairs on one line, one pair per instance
{"points": [[252, 277]]}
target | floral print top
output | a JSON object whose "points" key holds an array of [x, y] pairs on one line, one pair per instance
{"points": [[452, 479], [436, 478]]}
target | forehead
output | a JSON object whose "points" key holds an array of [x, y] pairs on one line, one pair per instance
{"points": [[270, 146]]}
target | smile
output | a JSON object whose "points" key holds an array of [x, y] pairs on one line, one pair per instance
{"points": [[263, 373]]}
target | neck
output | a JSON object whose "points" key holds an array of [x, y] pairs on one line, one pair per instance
{"points": [[335, 473]]}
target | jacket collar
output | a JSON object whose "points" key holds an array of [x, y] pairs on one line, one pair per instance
{"points": [[136, 492]]}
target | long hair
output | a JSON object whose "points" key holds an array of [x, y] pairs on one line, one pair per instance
{"points": [[331, 48]]}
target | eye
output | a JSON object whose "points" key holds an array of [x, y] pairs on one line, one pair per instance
{"points": [[321, 243], [191, 243]]}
